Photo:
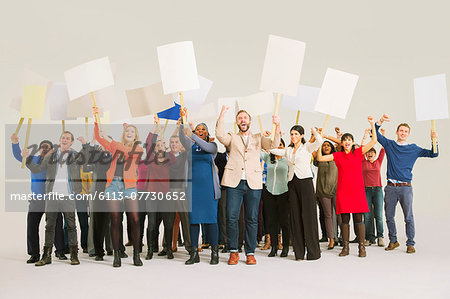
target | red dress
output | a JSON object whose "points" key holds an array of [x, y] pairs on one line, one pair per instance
{"points": [[350, 194]]}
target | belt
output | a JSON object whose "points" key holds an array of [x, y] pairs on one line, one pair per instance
{"points": [[399, 184]]}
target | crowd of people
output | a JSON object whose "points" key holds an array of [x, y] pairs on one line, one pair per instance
{"points": [[258, 188]]}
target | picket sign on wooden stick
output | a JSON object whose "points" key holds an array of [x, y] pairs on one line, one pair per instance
{"points": [[19, 126], [63, 123], [235, 128], [27, 138]]}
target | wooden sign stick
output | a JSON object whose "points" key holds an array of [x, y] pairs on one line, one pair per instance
{"points": [[298, 116], [27, 138], [63, 123], [86, 127], [260, 124], [433, 128], [235, 128], [182, 106], [165, 126], [94, 103], [325, 123], [19, 125], [277, 106]]}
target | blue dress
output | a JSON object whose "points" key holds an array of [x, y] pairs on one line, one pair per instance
{"points": [[204, 206]]}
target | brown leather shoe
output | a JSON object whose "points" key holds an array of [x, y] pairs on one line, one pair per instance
{"points": [[250, 260], [392, 246], [280, 244], [345, 228], [410, 249], [234, 258], [267, 243]]}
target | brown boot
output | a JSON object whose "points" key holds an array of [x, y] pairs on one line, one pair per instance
{"points": [[345, 239], [280, 245], [267, 242], [46, 257], [360, 234]]}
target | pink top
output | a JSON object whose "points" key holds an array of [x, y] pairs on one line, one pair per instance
{"points": [[371, 171]]}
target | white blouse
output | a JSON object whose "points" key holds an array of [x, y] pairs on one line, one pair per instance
{"points": [[300, 161]]}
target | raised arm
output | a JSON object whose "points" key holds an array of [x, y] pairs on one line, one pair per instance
{"points": [[266, 142], [381, 138], [373, 141], [185, 141], [429, 153], [209, 147], [32, 166], [366, 133], [324, 158], [16, 147], [310, 147], [103, 141], [282, 152], [224, 138]]}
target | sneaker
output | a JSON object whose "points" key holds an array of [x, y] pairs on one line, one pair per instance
{"points": [[250, 260], [234, 258], [380, 242], [410, 249], [392, 246], [367, 243]]}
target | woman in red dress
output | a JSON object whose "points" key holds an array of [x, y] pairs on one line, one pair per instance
{"points": [[350, 195]]}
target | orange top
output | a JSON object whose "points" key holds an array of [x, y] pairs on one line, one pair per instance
{"points": [[130, 169]]}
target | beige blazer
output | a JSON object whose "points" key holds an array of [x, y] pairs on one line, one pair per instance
{"points": [[243, 156]]}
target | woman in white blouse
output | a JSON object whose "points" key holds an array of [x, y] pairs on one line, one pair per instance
{"points": [[301, 193]]}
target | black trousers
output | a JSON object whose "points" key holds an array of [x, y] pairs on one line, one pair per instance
{"points": [[101, 227], [168, 219], [304, 226], [33, 221], [277, 215]]}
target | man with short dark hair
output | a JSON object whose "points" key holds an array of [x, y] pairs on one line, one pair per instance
{"points": [[243, 178], [401, 157], [36, 208], [62, 182]]}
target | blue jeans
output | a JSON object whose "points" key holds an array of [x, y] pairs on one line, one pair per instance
{"points": [[374, 196], [251, 198], [404, 195]]}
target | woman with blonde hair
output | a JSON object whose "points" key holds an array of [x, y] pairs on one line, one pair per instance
{"points": [[121, 181]]}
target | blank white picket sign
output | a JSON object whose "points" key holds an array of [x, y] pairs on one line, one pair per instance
{"points": [[58, 100], [193, 99], [257, 104], [305, 100], [178, 67], [430, 95], [148, 100], [336, 93], [89, 77], [282, 65]]}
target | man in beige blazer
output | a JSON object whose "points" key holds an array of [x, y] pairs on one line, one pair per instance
{"points": [[243, 179]]}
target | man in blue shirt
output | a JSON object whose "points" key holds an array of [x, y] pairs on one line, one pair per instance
{"points": [[36, 208], [401, 157]]}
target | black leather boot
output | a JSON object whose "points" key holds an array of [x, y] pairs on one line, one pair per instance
{"points": [[149, 255], [274, 243], [169, 253], [136, 258], [214, 255], [33, 259], [74, 255], [117, 262], [193, 256], [46, 257]]}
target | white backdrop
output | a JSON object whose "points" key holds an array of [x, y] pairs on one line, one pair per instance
{"points": [[387, 43]]}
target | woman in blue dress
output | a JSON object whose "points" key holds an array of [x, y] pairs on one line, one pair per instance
{"points": [[205, 188]]}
